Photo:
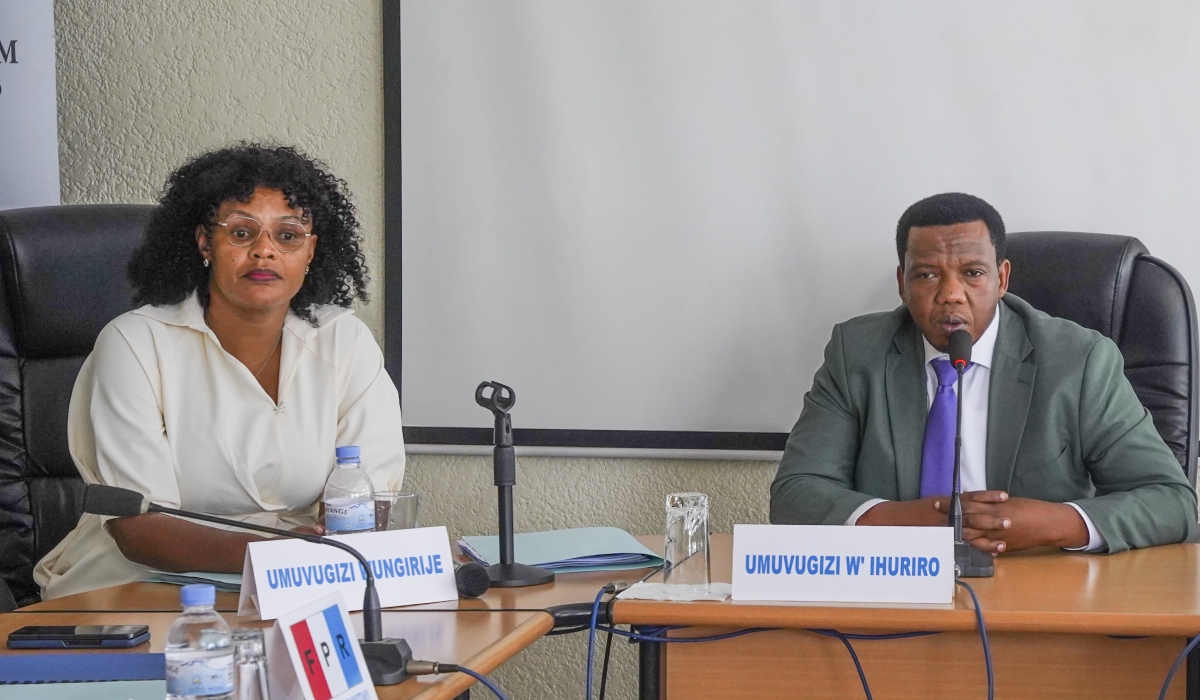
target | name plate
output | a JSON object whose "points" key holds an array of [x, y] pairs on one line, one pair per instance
{"points": [[410, 567], [840, 564], [313, 652]]}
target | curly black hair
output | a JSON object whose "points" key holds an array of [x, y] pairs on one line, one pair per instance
{"points": [[167, 266]]}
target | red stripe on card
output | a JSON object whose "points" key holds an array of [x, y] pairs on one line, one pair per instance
{"points": [[311, 660]]}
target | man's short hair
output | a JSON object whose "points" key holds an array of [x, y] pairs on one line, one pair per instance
{"points": [[948, 209]]}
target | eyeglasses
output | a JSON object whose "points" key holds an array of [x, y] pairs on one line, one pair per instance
{"points": [[243, 231]]}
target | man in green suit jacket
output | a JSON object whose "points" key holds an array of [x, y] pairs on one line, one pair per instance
{"points": [[1057, 449]]}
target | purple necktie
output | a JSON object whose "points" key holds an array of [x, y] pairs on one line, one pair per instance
{"points": [[937, 457]]}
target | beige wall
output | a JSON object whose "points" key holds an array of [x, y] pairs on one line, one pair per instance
{"points": [[145, 84], [556, 493]]}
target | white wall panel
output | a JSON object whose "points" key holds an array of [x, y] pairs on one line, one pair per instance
{"points": [[649, 215], [28, 105]]}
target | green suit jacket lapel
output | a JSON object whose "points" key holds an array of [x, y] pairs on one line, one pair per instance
{"points": [[907, 407], [1009, 394]]}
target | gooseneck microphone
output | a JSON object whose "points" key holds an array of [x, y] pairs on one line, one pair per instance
{"points": [[969, 562], [386, 658]]}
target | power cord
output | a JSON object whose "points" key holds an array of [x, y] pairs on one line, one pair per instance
{"points": [[853, 657], [674, 640], [1162, 694], [612, 588], [660, 636], [604, 667], [987, 648], [426, 668], [843, 637]]}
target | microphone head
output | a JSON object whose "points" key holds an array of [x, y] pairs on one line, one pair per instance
{"points": [[472, 579], [960, 349], [110, 500]]}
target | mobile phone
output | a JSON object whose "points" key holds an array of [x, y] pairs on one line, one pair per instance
{"points": [[79, 637]]}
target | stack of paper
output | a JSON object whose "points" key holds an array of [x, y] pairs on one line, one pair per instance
{"points": [[223, 582], [579, 549]]}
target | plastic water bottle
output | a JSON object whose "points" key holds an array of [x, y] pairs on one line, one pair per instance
{"points": [[349, 497], [199, 653]]}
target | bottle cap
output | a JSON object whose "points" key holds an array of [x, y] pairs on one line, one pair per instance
{"points": [[195, 594], [347, 453]]}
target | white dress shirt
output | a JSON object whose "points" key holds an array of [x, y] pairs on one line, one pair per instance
{"points": [[976, 387], [161, 408]]}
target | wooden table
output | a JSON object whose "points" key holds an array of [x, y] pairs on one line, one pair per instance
{"points": [[1052, 617], [480, 634], [1049, 616]]}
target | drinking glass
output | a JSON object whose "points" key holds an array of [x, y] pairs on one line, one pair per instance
{"points": [[250, 658], [396, 510], [686, 558]]}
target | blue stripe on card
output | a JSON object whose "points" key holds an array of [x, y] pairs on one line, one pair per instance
{"points": [[342, 642]]}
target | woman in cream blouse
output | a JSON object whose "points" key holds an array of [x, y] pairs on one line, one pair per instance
{"points": [[227, 392]]}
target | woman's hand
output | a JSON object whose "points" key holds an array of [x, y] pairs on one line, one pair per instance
{"points": [[306, 530], [174, 544]]}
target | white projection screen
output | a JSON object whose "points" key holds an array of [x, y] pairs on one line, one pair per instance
{"points": [[647, 216]]}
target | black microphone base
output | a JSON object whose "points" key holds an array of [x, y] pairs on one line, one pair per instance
{"points": [[972, 563], [518, 575], [386, 660]]}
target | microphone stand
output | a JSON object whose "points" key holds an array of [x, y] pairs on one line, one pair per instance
{"points": [[507, 573], [386, 658], [969, 562]]}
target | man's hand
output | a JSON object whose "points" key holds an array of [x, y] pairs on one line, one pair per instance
{"points": [[922, 512], [995, 522]]}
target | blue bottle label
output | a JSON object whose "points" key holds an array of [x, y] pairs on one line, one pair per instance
{"points": [[201, 676], [344, 515]]}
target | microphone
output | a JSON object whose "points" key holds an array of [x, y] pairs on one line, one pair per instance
{"points": [[506, 573], [969, 562], [472, 579], [386, 658], [960, 350]]}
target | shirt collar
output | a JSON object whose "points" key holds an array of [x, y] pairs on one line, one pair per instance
{"points": [[981, 351]]}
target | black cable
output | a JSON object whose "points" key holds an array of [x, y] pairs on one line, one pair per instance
{"points": [[656, 634], [386, 611], [604, 669], [880, 637], [567, 630], [987, 648], [853, 657], [660, 635], [653, 571], [652, 638], [1162, 694]]}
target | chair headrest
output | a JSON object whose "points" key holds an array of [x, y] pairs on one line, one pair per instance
{"points": [[64, 273], [1083, 277]]}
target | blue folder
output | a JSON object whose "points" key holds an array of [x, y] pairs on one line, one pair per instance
{"points": [[577, 549], [74, 667]]}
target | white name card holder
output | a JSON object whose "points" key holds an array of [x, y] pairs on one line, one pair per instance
{"points": [[840, 564], [410, 567], [313, 652]]}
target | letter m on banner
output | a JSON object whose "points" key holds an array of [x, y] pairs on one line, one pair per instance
{"points": [[8, 54]]}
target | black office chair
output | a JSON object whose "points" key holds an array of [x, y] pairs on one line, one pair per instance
{"points": [[63, 271], [1113, 285]]}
